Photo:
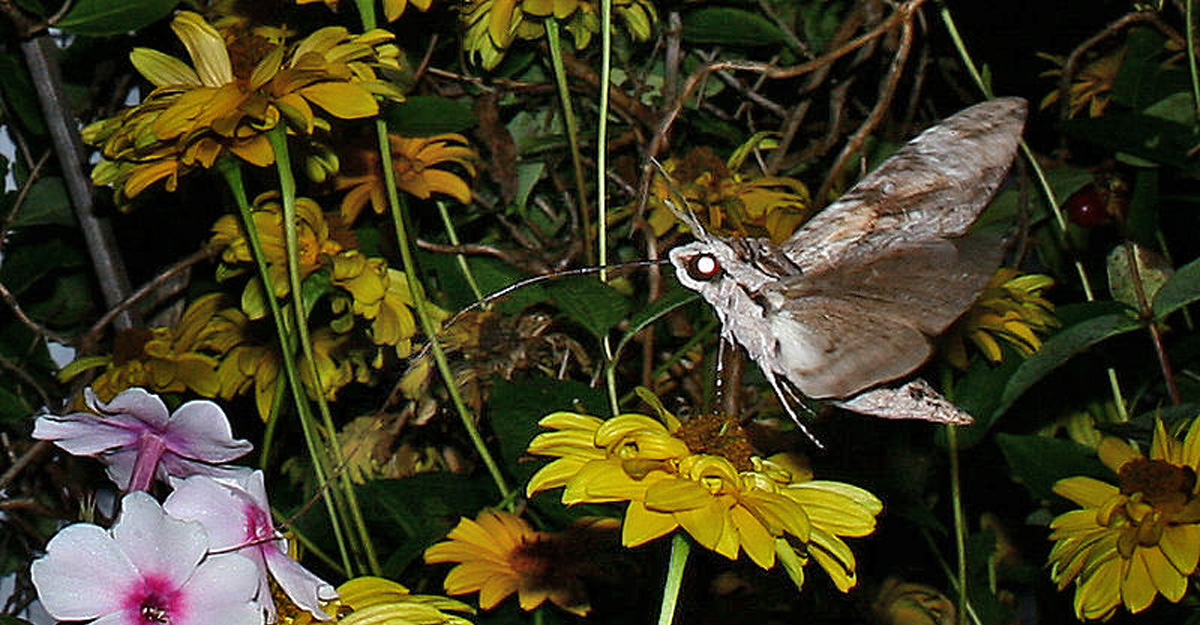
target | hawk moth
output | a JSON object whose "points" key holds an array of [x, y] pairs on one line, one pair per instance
{"points": [[852, 299]]}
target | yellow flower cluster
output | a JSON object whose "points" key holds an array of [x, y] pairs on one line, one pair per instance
{"points": [[728, 203], [761, 508], [1011, 308], [493, 25], [1092, 85], [231, 95], [1132, 542]]}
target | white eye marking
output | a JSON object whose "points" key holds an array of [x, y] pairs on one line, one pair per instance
{"points": [[707, 265]]}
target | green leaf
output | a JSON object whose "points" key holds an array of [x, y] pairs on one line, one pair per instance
{"points": [[424, 116], [12, 620], [1060, 348], [1182, 289], [99, 18], [1038, 462], [593, 304], [19, 94], [517, 406], [1144, 136], [675, 298], [25, 265], [12, 407], [46, 204], [730, 26], [1144, 77]]}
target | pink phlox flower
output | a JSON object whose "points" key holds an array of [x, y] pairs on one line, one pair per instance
{"points": [[139, 441], [237, 517], [149, 569]]}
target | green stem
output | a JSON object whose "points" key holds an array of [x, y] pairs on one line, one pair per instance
{"points": [[268, 438], [601, 197], [1191, 47], [233, 177], [554, 42], [331, 451], [462, 260], [680, 548], [428, 326], [960, 524]]}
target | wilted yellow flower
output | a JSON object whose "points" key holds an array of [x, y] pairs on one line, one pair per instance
{"points": [[392, 9], [1011, 308], [370, 600], [1134, 541], [498, 554], [415, 161], [1091, 86], [728, 203], [232, 94], [493, 25], [183, 357], [728, 503]]}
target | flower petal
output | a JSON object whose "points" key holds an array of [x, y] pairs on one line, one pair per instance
{"points": [[222, 590], [156, 543], [341, 99], [137, 403], [83, 574], [83, 434], [206, 47], [200, 430], [305, 589]]}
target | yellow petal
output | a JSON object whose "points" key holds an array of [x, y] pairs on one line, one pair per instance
{"points": [[163, 69], [1114, 453], [1137, 587], [1181, 545], [642, 526], [1085, 491], [1166, 578], [674, 495], [206, 47], [342, 99], [755, 539]]}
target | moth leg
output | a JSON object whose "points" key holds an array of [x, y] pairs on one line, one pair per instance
{"points": [[915, 400], [788, 397]]}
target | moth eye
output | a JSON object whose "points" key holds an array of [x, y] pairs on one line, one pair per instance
{"points": [[703, 267]]}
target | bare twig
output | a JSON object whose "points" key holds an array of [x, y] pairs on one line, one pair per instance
{"points": [[887, 90], [33, 326], [34, 174]]}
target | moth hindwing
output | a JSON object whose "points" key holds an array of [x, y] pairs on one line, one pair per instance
{"points": [[852, 299]]}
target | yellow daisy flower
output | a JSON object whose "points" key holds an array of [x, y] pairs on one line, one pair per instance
{"points": [[1132, 542], [498, 554], [1092, 86], [728, 203], [232, 94], [183, 357], [1011, 308], [761, 507], [367, 600], [493, 25], [415, 161]]}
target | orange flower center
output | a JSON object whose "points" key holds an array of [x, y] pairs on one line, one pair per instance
{"points": [[717, 435], [1161, 483]]}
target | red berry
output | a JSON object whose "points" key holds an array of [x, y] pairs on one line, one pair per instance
{"points": [[1087, 207]]}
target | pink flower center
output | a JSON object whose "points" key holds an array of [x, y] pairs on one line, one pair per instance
{"points": [[153, 601], [256, 524]]}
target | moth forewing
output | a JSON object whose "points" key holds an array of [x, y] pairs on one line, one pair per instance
{"points": [[933, 187]]}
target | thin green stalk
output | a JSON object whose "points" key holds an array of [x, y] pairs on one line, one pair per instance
{"points": [[427, 324], [1191, 49], [960, 524], [554, 42], [680, 548], [264, 454], [287, 189], [233, 177], [933, 548], [462, 260], [601, 197]]}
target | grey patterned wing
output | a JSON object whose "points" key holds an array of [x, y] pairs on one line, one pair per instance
{"points": [[931, 188], [871, 322]]}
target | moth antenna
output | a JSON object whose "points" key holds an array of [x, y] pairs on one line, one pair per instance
{"points": [[688, 216]]}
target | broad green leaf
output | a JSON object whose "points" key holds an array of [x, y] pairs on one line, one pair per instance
{"points": [[12, 407], [1059, 348], [424, 116], [1150, 138], [46, 204], [99, 18], [25, 265], [1144, 78], [517, 406], [1182, 289], [669, 301], [1127, 285], [730, 26], [591, 303], [19, 94], [1038, 461]]}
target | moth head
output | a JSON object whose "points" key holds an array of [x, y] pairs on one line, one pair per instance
{"points": [[699, 265]]}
